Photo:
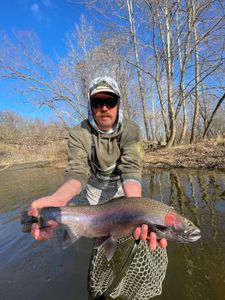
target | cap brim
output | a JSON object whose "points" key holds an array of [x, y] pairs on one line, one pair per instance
{"points": [[96, 91]]}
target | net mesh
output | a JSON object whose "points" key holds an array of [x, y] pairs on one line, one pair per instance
{"points": [[133, 273]]}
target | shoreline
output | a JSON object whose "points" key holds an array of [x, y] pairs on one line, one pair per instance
{"points": [[146, 166], [35, 164], [203, 155], [208, 154]]}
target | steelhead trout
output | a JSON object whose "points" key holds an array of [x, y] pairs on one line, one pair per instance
{"points": [[116, 219]]}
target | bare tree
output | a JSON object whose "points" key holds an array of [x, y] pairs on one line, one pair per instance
{"points": [[182, 49], [130, 9], [168, 57], [37, 77], [183, 57], [196, 53], [61, 85]]}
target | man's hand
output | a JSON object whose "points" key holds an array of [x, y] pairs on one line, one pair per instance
{"points": [[60, 198], [42, 234], [142, 234]]}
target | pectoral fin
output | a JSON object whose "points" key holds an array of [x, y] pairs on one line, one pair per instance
{"points": [[110, 247], [71, 235]]}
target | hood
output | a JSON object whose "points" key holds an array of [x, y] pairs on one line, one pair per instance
{"points": [[112, 83]]}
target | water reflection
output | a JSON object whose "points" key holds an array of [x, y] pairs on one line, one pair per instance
{"points": [[195, 271]]}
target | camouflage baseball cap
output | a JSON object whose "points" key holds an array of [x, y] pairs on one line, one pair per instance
{"points": [[104, 84]]}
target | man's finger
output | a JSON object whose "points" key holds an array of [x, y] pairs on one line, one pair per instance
{"points": [[152, 241], [163, 243], [46, 234], [137, 233], [35, 231], [144, 232], [39, 234], [32, 212]]}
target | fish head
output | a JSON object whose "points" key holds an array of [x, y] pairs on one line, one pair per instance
{"points": [[178, 228], [190, 232]]}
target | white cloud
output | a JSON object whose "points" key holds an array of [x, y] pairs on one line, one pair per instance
{"points": [[35, 8], [42, 11]]}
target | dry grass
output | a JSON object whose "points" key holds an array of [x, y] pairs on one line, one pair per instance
{"points": [[204, 154], [13, 154]]}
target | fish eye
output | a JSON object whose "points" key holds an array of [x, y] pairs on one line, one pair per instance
{"points": [[189, 224]]}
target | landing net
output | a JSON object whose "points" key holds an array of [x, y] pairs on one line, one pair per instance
{"points": [[134, 272]]}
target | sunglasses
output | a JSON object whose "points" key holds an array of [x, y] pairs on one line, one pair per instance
{"points": [[108, 102]]}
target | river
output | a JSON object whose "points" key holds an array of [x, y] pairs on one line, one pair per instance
{"points": [[41, 270]]}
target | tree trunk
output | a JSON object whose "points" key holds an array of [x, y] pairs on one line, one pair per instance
{"points": [[134, 40], [169, 70], [157, 77], [212, 116], [183, 65], [196, 108]]}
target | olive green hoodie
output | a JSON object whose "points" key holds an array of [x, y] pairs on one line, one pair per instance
{"points": [[125, 155]]}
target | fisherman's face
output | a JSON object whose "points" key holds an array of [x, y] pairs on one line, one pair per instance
{"points": [[104, 109]]}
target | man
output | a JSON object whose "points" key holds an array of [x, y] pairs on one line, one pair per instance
{"points": [[104, 159]]}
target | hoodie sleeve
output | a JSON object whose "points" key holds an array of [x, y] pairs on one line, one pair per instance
{"points": [[131, 161], [77, 166]]}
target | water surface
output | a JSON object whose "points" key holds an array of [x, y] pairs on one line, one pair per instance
{"points": [[43, 271]]}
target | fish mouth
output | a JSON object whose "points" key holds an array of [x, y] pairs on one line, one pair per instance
{"points": [[193, 235]]}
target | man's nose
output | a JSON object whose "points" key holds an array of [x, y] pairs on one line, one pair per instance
{"points": [[104, 108]]}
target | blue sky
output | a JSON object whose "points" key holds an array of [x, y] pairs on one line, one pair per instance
{"points": [[51, 20]]}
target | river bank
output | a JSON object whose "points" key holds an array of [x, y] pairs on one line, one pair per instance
{"points": [[208, 154]]}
